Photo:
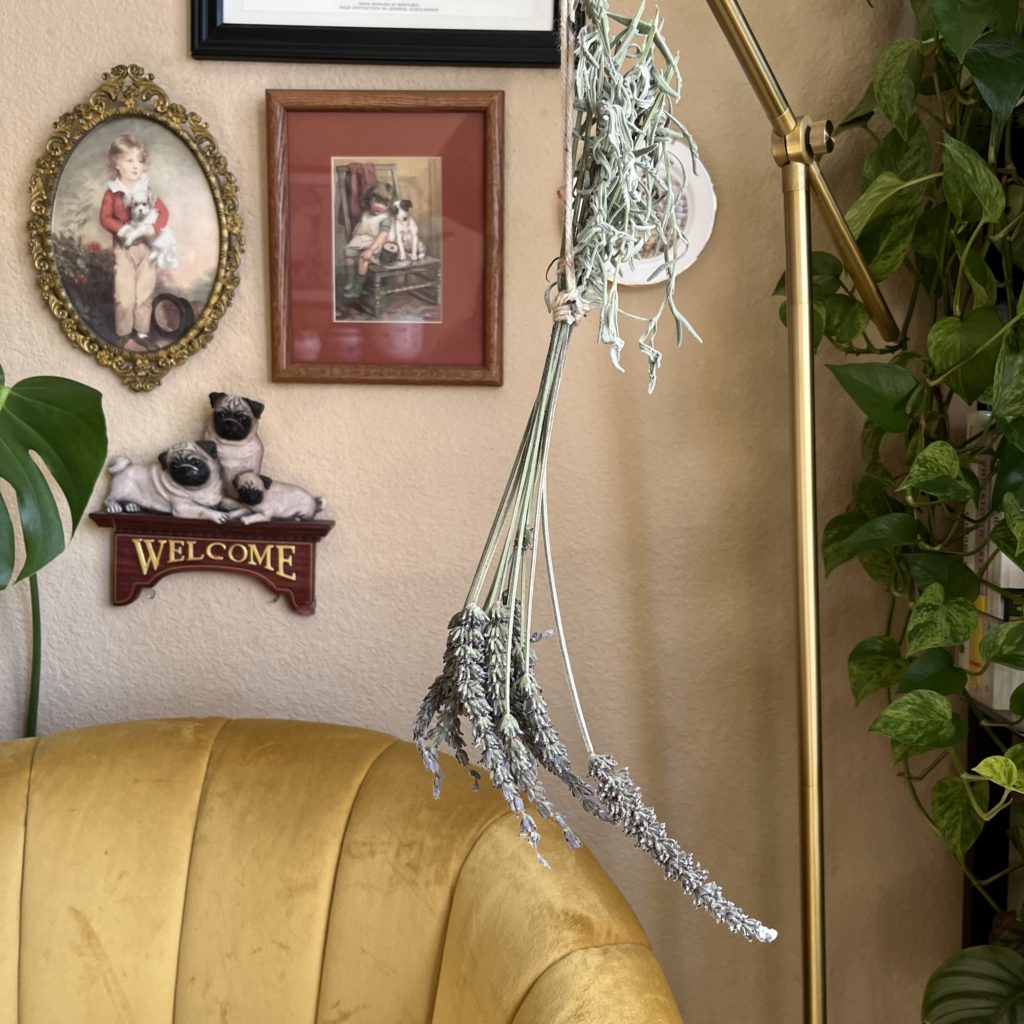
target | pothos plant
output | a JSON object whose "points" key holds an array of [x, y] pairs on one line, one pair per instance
{"points": [[941, 491]]}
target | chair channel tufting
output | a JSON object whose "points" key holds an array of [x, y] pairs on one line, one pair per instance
{"points": [[214, 871]]}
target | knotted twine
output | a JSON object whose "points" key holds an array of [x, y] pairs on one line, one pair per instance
{"points": [[619, 194]]}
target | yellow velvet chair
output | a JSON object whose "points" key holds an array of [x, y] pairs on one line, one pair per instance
{"points": [[209, 871]]}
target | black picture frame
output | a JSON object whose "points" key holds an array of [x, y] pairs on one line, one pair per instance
{"points": [[212, 39]]}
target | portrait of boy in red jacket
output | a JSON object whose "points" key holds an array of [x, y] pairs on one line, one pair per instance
{"points": [[136, 219]]}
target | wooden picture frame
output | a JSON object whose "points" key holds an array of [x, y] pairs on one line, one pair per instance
{"points": [[386, 236], [222, 31], [137, 263]]}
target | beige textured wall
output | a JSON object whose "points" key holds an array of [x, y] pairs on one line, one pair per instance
{"points": [[671, 513]]}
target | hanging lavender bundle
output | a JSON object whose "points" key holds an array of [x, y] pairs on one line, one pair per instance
{"points": [[619, 193]]}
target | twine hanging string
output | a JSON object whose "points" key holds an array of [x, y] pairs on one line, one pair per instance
{"points": [[617, 89], [567, 306]]}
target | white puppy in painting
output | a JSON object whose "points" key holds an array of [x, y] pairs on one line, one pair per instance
{"points": [[163, 248], [405, 232]]}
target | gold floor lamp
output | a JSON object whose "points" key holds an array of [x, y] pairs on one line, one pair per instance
{"points": [[796, 141]]}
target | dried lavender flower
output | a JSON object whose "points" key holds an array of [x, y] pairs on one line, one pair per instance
{"points": [[619, 191], [438, 704], [625, 805]]}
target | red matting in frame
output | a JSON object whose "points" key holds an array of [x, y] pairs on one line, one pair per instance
{"points": [[304, 137]]}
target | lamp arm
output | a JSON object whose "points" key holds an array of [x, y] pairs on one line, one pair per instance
{"points": [[795, 144], [851, 256], [755, 66]]}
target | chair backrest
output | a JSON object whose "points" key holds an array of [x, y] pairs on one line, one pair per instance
{"points": [[347, 195], [207, 871]]}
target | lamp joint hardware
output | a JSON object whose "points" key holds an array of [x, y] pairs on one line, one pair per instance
{"points": [[806, 140]]}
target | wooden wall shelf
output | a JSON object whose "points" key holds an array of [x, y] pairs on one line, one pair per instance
{"points": [[148, 546]]}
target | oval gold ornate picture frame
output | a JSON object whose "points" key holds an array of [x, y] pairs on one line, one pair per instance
{"points": [[135, 232]]}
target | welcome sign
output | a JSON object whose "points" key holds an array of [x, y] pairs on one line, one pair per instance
{"points": [[155, 554], [148, 548]]}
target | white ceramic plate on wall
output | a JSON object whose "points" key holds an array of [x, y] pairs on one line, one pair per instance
{"points": [[695, 213]]}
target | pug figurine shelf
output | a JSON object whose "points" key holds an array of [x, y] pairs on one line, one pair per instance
{"points": [[271, 499], [206, 505], [235, 428], [185, 481]]}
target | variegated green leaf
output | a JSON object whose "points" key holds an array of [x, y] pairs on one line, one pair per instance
{"points": [[896, 82], [955, 817], [1000, 770], [972, 189], [970, 346], [938, 622], [1005, 644], [936, 471], [874, 664], [917, 722], [1014, 520]]}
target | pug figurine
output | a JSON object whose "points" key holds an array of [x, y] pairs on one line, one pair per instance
{"points": [[234, 428], [185, 480], [271, 499]]}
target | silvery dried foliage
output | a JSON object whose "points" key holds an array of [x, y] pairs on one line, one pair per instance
{"points": [[623, 193]]}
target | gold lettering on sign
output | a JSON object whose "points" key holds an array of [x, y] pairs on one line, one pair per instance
{"points": [[263, 560], [284, 560], [150, 557], [273, 558]]}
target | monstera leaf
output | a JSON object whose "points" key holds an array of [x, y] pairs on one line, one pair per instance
{"points": [[59, 422]]}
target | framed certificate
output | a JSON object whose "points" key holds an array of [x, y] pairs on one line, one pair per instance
{"points": [[520, 33]]}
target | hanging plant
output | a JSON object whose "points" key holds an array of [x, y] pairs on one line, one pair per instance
{"points": [[619, 193]]}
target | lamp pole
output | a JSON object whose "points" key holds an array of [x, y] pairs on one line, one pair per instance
{"points": [[795, 144]]}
